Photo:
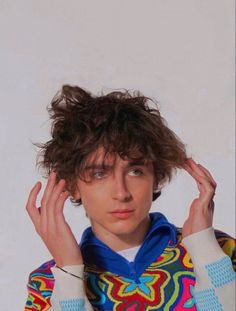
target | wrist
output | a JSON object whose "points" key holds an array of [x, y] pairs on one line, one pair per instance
{"points": [[69, 262], [203, 246]]}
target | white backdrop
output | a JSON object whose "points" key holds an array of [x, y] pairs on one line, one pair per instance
{"points": [[179, 52]]}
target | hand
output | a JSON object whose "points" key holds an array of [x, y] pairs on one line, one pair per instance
{"points": [[202, 208], [50, 223]]}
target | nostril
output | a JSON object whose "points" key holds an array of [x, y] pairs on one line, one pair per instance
{"points": [[127, 198]]}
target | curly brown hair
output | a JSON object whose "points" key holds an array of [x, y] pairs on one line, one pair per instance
{"points": [[122, 123]]}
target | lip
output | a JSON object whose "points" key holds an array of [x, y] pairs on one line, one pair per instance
{"points": [[122, 214]]}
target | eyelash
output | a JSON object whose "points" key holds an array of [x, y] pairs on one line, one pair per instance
{"points": [[140, 172], [95, 174]]}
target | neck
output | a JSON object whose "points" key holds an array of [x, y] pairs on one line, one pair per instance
{"points": [[119, 242]]}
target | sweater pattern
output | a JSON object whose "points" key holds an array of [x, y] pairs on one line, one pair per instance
{"points": [[166, 284], [160, 278]]}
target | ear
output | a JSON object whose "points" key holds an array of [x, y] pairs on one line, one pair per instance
{"points": [[155, 186], [76, 195]]}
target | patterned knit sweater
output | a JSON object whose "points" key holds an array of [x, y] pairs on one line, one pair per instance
{"points": [[162, 277]]}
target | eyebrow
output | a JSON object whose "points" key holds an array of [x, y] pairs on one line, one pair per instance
{"points": [[137, 163], [107, 166], [97, 166]]}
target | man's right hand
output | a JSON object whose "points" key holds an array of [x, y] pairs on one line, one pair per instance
{"points": [[50, 223]]}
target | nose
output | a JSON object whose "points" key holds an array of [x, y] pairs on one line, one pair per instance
{"points": [[120, 189]]}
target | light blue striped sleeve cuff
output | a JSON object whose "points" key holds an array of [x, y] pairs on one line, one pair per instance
{"points": [[72, 305], [207, 300]]}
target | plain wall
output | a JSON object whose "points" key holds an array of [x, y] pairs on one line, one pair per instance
{"points": [[179, 52]]}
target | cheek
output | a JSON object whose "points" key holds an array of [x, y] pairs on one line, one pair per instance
{"points": [[93, 202], [143, 196]]}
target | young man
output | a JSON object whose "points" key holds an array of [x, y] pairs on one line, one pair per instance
{"points": [[114, 153]]}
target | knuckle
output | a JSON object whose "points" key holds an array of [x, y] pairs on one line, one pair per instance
{"points": [[50, 202], [28, 207], [210, 190], [194, 209], [207, 213], [58, 211], [43, 202]]}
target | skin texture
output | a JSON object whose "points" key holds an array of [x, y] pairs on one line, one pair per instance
{"points": [[117, 200], [122, 193], [202, 208]]}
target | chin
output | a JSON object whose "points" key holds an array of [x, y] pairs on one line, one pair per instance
{"points": [[123, 229]]}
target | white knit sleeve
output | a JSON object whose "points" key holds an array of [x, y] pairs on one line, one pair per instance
{"points": [[69, 292], [215, 277]]}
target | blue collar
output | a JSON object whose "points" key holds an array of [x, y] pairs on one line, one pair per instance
{"points": [[95, 253]]}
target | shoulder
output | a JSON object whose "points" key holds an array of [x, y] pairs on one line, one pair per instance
{"points": [[226, 242], [42, 278], [40, 287]]}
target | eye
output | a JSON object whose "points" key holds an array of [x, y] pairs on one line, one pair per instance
{"points": [[99, 174], [136, 172]]}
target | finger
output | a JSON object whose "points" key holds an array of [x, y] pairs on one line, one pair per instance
{"points": [[31, 208], [59, 215], [204, 186], [49, 188], [51, 205], [61, 201], [187, 167], [194, 166], [47, 195], [208, 174], [199, 169], [57, 191]]}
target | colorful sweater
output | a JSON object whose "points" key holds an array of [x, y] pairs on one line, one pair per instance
{"points": [[160, 278]]}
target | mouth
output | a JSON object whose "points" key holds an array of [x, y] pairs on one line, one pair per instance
{"points": [[122, 214]]}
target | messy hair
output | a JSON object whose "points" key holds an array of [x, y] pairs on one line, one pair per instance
{"points": [[122, 123]]}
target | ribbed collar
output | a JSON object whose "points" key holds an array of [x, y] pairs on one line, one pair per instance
{"points": [[95, 253]]}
